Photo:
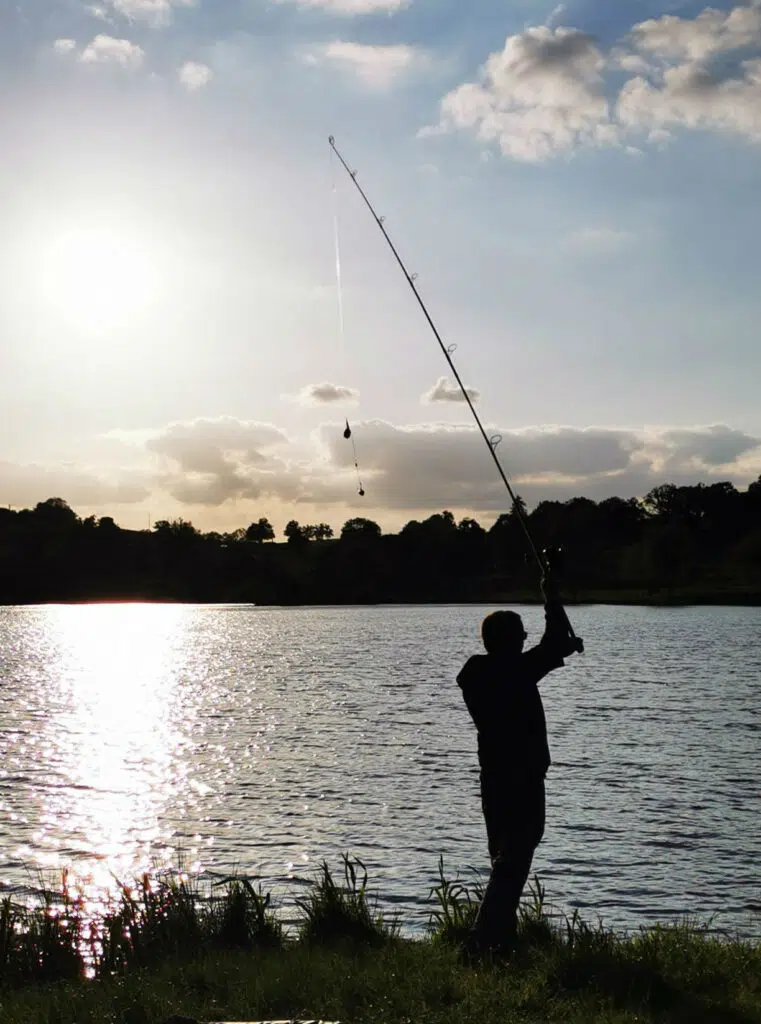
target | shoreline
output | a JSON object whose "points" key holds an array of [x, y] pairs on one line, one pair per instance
{"points": [[700, 599], [168, 950]]}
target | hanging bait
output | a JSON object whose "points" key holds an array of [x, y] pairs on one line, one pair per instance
{"points": [[540, 557], [349, 436]]}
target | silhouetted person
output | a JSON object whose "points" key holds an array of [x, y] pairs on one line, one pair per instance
{"points": [[501, 692]]}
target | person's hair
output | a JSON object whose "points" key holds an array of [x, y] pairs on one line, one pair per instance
{"points": [[502, 632]]}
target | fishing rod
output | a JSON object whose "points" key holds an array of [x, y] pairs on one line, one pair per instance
{"points": [[492, 443]]}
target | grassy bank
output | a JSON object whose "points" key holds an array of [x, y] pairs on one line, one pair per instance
{"points": [[168, 948]]}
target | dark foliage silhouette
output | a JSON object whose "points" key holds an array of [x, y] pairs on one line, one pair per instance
{"points": [[697, 543]]}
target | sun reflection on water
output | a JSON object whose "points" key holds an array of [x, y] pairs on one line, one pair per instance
{"points": [[116, 740]]}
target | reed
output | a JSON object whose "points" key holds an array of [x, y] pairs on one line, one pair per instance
{"points": [[334, 913], [169, 946]]}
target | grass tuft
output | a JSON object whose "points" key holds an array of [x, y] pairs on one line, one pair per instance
{"points": [[242, 918], [334, 913], [455, 911], [168, 947]]}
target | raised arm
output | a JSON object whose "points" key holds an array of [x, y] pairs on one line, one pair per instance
{"points": [[557, 643]]}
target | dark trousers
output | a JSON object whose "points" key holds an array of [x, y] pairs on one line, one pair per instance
{"points": [[514, 811]]}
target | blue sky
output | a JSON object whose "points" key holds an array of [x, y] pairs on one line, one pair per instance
{"points": [[577, 188]]}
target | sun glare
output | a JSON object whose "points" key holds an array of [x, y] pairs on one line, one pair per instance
{"points": [[116, 737], [97, 277]]}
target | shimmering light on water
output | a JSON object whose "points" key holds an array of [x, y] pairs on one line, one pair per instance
{"points": [[93, 753], [263, 740]]}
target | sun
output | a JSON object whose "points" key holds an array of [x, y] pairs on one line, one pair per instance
{"points": [[96, 277]]}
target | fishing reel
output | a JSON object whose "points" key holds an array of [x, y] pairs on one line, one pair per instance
{"points": [[554, 558]]}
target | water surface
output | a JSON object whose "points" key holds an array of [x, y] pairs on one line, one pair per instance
{"points": [[264, 740]]}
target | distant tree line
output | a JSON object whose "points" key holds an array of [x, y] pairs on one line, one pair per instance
{"points": [[696, 543]]}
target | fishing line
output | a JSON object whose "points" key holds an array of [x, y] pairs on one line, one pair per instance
{"points": [[348, 433], [493, 442]]}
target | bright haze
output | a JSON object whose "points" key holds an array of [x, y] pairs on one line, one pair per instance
{"points": [[576, 187]]}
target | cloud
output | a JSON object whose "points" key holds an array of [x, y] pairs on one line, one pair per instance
{"points": [[694, 96], [429, 467], [195, 76], [25, 484], [700, 448], [108, 50], [377, 66], [445, 390], [157, 13], [209, 462], [353, 7], [555, 15], [551, 91], [697, 39], [327, 394], [543, 93], [64, 45]]}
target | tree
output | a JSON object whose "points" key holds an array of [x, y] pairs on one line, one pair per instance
{"points": [[259, 532], [662, 502], [295, 533], [322, 532], [177, 529], [359, 527], [55, 513]]}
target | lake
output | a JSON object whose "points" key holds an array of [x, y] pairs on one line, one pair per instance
{"points": [[263, 740]]}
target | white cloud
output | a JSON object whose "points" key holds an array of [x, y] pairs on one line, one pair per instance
{"points": [[555, 15], [327, 394], [378, 66], [352, 7], [206, 464], [687, 87], [542, 94], [108, 50], [693, 96], [64, 45], [158, 13], [445, 390], [546, 93], [433, 466], [697, 39], [25, 484], [698, 448], [194, 76]]}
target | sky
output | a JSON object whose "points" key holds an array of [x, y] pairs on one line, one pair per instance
{"points": [[577, 188]]}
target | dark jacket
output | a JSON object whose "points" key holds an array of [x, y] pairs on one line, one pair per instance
{"points": [[503, 699]]}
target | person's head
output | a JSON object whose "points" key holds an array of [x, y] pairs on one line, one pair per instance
{"points": [[503, 633]]}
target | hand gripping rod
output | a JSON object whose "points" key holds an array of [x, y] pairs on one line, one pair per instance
{"points": [[492, 443]]}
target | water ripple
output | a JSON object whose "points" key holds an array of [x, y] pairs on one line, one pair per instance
{"points": [[264, 740]]}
